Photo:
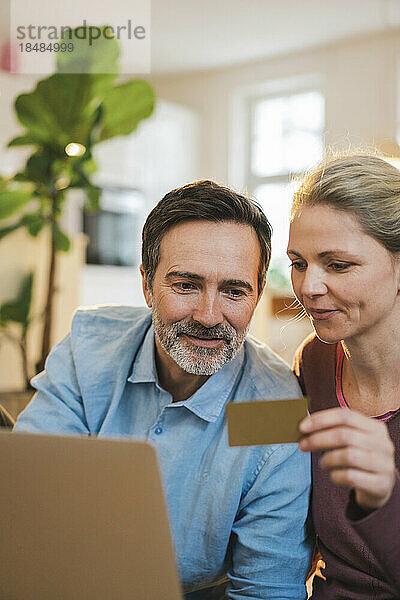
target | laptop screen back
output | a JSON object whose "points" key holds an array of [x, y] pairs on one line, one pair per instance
{"points": [[83, 518]]}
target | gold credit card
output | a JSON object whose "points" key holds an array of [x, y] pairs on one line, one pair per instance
{"points": [[265, 421]]}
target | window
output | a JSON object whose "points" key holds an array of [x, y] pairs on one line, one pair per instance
{"points": [[114, 232], [286, 138]]}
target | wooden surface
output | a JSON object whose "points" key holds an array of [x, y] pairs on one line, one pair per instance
{"points": [[15, 402]]}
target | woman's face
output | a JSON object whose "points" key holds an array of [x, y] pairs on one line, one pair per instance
{"points": [[347, 282]]}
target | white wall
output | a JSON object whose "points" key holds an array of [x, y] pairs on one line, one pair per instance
{"points": [[358, 78]]}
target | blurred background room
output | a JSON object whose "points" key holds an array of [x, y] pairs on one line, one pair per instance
{"points": [[248, 94]]}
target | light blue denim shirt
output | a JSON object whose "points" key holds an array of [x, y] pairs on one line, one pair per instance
{"points": [[239, 512]]}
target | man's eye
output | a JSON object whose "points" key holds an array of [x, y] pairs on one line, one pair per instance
{"points": [[235, 293], [184, 286], [297, 265]]}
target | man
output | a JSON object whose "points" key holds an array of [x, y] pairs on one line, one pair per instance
{"points": [[167, 375]]}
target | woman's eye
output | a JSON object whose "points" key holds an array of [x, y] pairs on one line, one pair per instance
{"points": [[297, 266], [337, 266]]}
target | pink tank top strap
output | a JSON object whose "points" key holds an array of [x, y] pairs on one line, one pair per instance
{"points": [[339, 388]]}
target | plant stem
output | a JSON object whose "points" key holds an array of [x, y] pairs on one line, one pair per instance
{"points": [[24, 356], [48, 313]]}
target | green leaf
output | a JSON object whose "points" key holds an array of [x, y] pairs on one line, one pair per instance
{"points": [[89, 166], [20, 177], [61, 109], [17, 310], [125, 106], [39, 167], [23, 140], [36, 227], [58, 203], [34, 222], [92, 198], [11, 201], [61, 240], [4, 231], [81, 169]]}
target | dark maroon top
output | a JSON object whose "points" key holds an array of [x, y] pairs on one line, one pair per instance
{"points": [[361, 553]]}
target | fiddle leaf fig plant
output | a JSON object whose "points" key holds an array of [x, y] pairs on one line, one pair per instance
{"points": [[63, 119], [17, 312]]}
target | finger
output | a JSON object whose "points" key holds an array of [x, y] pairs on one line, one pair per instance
{"points": [[332, 417], [376, 439], [378, 486], [336, 437], [359, 458]]}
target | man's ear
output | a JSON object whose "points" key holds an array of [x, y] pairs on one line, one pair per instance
{"points": [[262, 291], [145, 287], [396, 266]]}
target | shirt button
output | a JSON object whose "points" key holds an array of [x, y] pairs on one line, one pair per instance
{"points": [[158, 430]]}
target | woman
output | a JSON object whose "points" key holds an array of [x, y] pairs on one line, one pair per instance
{"points": [[344, 245]]}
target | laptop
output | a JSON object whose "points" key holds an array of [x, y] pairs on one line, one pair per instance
{"points": [[83, 518]]}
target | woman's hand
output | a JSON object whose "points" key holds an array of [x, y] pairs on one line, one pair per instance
{"points": [[358, 453]]}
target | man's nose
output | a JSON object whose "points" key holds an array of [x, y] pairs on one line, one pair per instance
{"points": [[208, 310], [313, 282]]}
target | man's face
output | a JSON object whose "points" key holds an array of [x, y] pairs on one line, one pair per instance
{"points": [[204, 293]]}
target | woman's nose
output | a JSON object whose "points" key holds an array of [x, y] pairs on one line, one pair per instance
{"points": [[313, 282]]}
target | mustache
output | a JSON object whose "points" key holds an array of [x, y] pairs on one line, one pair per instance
{"points": [[220, 332]]}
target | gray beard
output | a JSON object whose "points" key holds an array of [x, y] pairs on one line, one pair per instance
{"points": [[193, 359]]}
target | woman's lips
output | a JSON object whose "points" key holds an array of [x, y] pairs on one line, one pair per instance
{"points": [[321, 314]]}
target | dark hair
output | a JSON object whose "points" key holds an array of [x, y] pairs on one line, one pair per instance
{"points": [[203, 201]]}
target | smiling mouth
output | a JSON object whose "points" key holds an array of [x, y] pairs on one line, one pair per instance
{"points": [[205, 342], [320, 314]]}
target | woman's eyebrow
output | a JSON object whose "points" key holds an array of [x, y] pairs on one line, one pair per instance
{"points": [[326, 253], [335, 252]]}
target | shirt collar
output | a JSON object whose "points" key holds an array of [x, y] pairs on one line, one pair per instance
{"points": [[144, 366], [209, 400]]}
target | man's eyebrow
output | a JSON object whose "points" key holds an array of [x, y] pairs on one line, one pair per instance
{"points": [[238, 283], [184, 274], [226, 282]]}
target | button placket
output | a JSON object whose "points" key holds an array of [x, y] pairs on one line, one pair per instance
{"points": [[158, 428]]}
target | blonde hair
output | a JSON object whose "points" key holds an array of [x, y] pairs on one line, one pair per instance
{"points": [[365, 185]]}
